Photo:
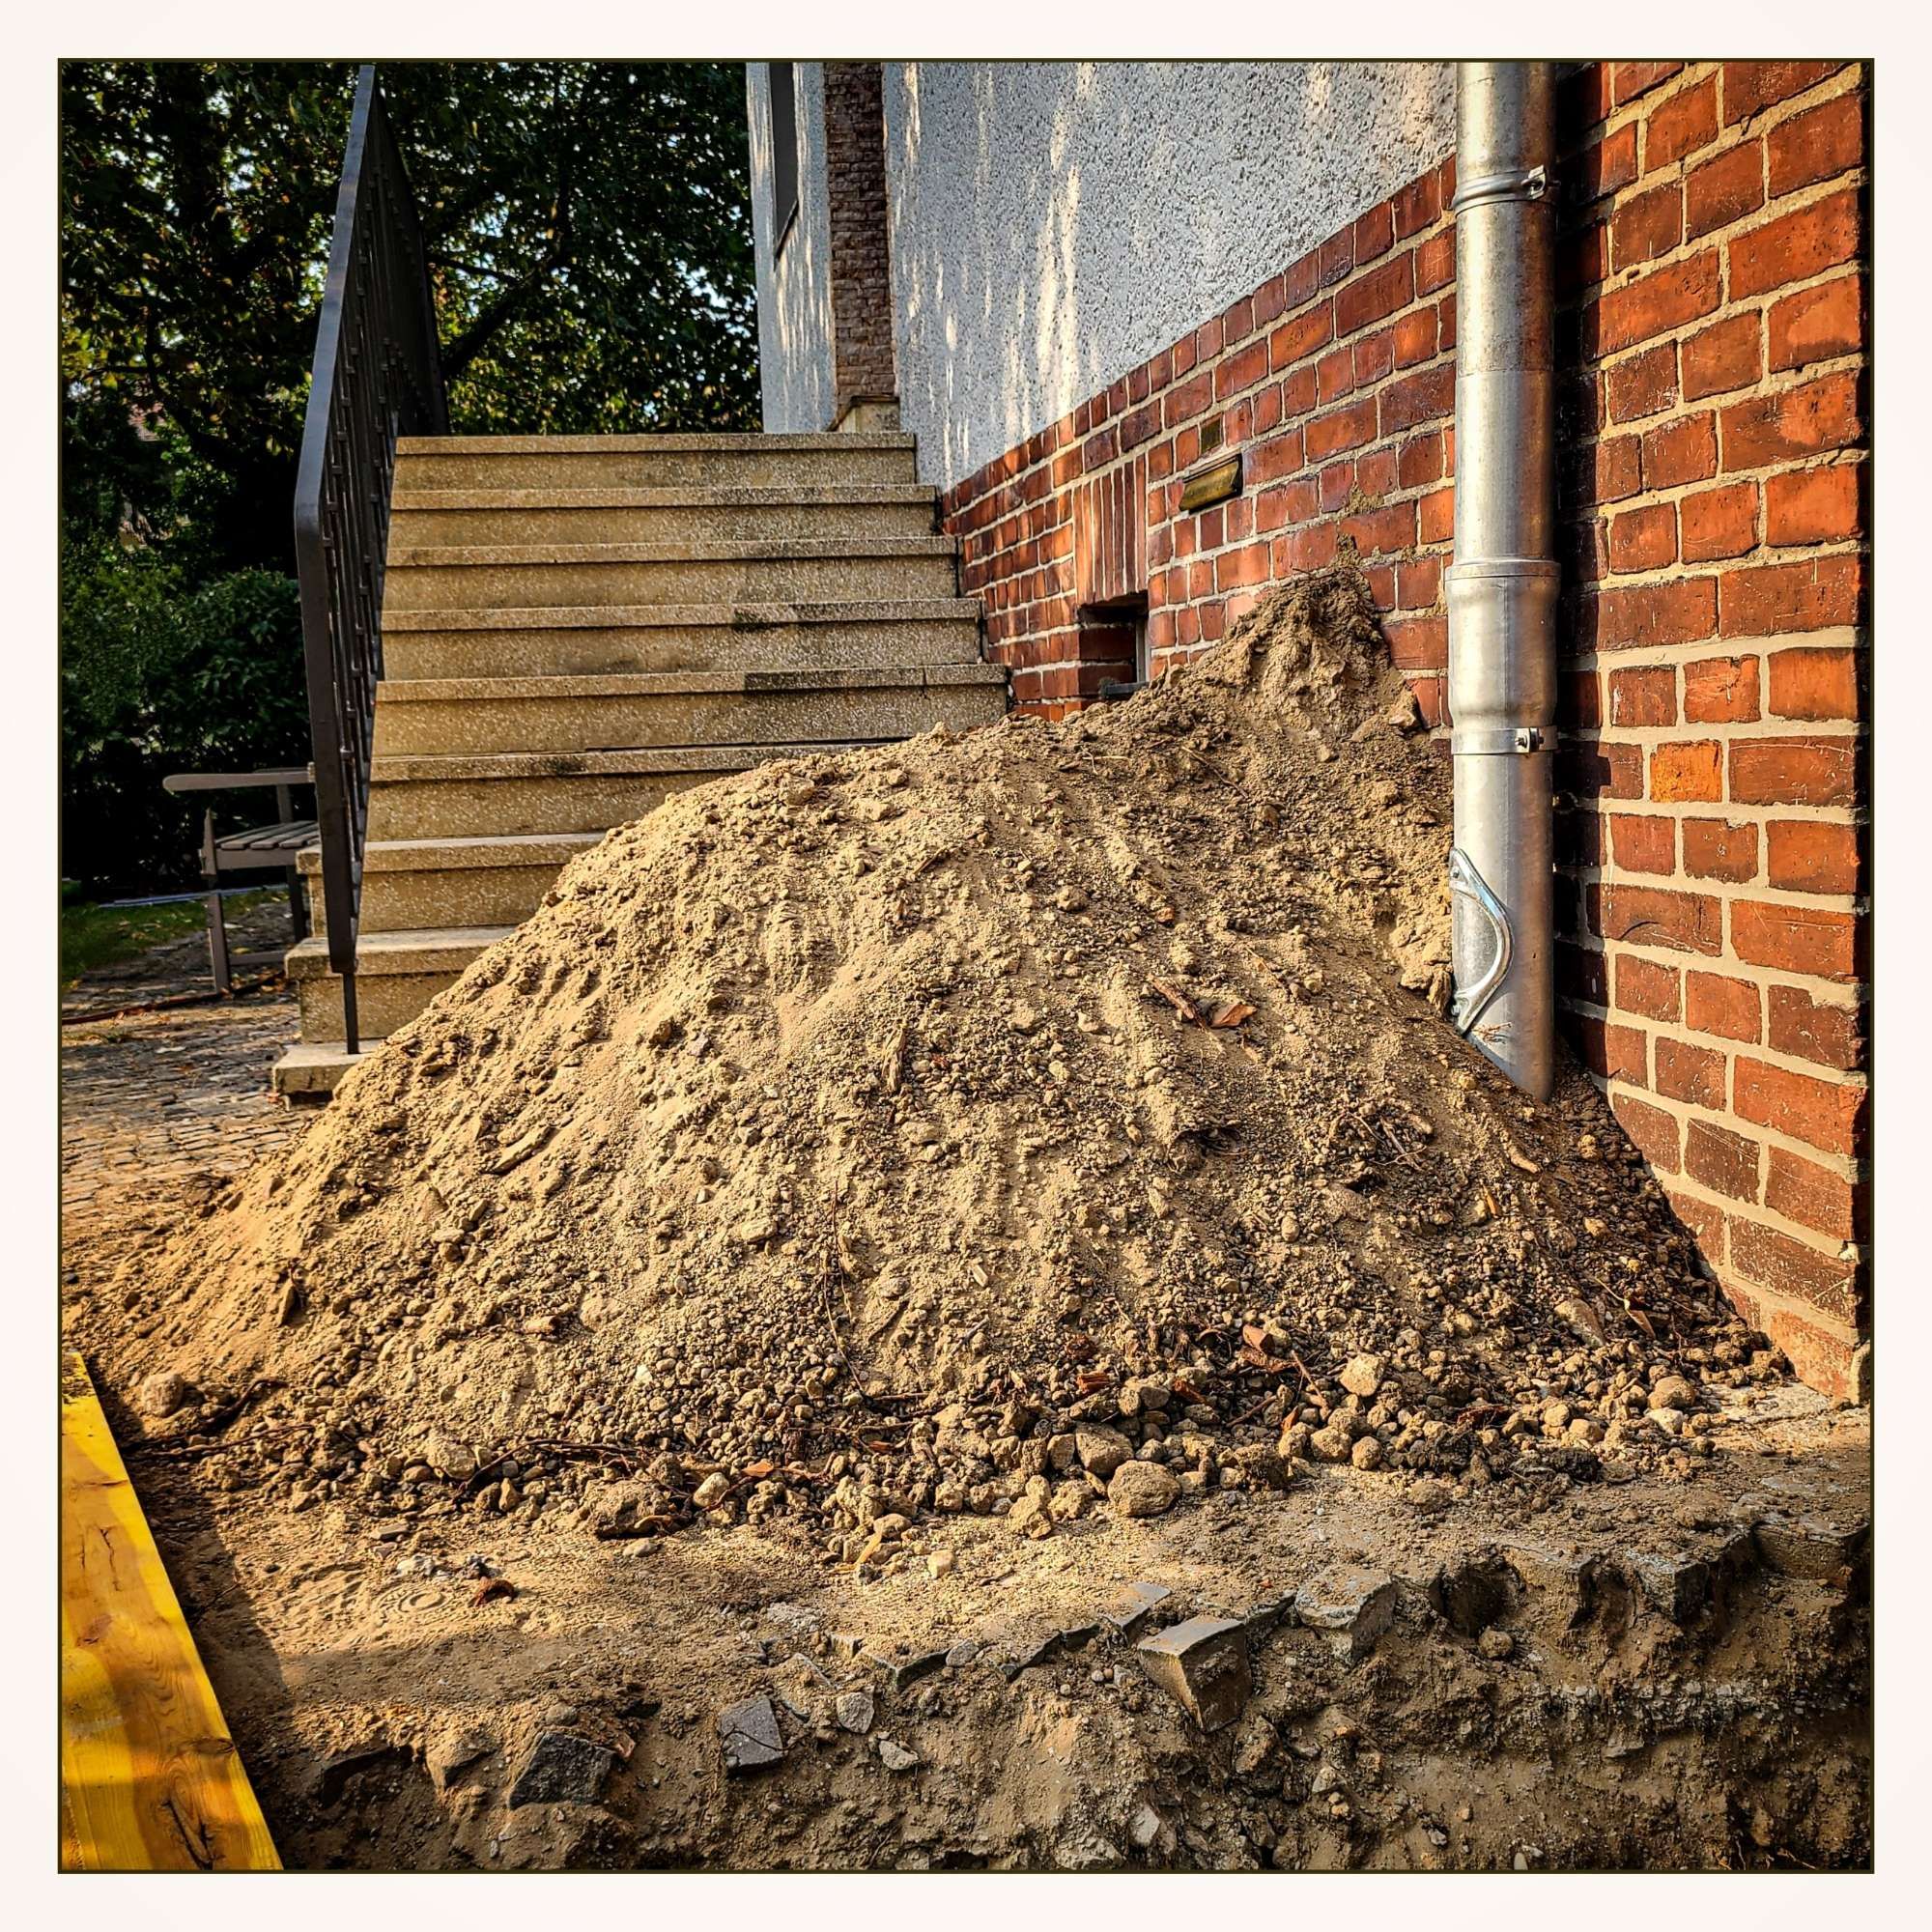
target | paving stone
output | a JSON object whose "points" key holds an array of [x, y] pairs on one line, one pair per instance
{"points": [[749, 1731], [565, 1770], [1806, 1546], [1203, 1666], [1675, 1582], [1352, 1605]]}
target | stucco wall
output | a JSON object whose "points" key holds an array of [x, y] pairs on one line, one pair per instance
{"points": [[1054, 224], [794, 290]]}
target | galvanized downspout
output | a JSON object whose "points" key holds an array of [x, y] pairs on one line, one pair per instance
{"points": [[1502, 586]]}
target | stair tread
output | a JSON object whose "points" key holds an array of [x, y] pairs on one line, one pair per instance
{"points": [[627, 445], [439, 949], [761, 550], [499, 848], [644, 760], [660, 496], [685, 683], [681, 616]]}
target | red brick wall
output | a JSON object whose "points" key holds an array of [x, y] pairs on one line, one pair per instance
{"points": [[862, 278], [1713, 343]]}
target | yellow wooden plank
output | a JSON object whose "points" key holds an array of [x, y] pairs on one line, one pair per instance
{"points": [[150, 1779]]}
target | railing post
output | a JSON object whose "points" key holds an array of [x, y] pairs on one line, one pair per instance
{"points": [[377, 378]]}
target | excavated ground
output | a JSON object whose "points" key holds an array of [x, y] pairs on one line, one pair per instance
{"points": [[1041, 1152]]}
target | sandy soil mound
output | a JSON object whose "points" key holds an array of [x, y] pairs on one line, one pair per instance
{"points": [[935, 1126]]}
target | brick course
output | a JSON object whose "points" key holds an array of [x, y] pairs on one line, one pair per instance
{"points": [[863, 364], [1713, 429]]}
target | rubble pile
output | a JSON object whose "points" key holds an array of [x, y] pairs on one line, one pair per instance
{"points": [[1055, 1120]]}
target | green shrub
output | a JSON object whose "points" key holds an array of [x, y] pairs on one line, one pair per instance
{"points": [[159, 675]]}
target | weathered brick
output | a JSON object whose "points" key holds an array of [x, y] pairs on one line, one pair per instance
{"points": [[1808, 1192], [1721, 690], [1706, 1221], [1612, 1052], [1795, 939], [1630, 79], [1807, 855], [1647, 225], [1693, 1074], [1814, 684], [1792, 1267], [1643, 385], [1714, 1003], [1714, 849], [1827, 1114], [1809, 1028], [1645, 696], [1723, 1161], [1681, 125], [1644, 538], [1682, 451], [1582, 974], [1603, 471], [1340, 429], [1724, 190], [1674, 922], [1809, 506], [1647, 988], [1718, 523], [1796, 246], [1815, 594], [1420, 398], [1379, 292], [1816, 324], [1727, 355], [1813, 146], [1654, 1130], [1663, 300], [1649, 614], [1796, 423], [1689, 769], [1751, 86], [1794, 770], [1644, 842]]}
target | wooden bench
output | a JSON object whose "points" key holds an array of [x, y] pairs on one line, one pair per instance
{"points": [[263, 848]]}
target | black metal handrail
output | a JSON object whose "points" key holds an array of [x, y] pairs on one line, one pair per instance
{"points": [[377, 376]]}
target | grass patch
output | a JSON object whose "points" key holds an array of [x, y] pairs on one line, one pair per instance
{"points": [[92, 936]]}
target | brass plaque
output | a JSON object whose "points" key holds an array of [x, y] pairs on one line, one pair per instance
{"points": [[1214, 485]]}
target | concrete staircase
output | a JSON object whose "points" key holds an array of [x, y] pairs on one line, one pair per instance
{"points": [[576, 627]]}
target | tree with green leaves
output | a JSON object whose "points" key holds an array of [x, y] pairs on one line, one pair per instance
{"points": [[589, 239]]}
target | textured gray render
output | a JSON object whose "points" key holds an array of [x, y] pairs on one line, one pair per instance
{"points": [[794, 290], [1054, 224]]}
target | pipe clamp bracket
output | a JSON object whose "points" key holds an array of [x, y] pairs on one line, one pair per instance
{"points": [[1519, 741], [1515, 184]]}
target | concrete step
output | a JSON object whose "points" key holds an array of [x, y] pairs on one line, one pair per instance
{"points": [[397, 974], [669, 515], [625, 711], [645, 461], [678, 636], [306, 1074], [412, 883], [512, 794], [809, 570]]}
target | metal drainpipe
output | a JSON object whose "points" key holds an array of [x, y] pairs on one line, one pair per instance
{"points": [[1502, 586]]}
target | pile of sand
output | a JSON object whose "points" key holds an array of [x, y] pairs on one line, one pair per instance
{"points": [[883, 1131]]}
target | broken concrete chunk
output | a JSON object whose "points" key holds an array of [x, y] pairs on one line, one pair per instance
{"points": [[1131, 1608], [903, 1669], [749, 1731], [1805, 1547], [1363, 1375], [565, 1770], [1352, 1605], [896, 1757], [854, 1711], [1677, 1584], [448, 1758], [1203, 1666]]}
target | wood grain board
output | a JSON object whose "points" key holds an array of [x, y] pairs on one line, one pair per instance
{"points": [[150, 1779]]}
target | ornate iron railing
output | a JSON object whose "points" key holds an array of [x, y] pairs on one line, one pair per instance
{"points": [[377, 377]]}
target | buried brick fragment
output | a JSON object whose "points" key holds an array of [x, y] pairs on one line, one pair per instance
{"points": [[1203, 1666], [1130, 1610], [1355, 1605], [565, 1770]]}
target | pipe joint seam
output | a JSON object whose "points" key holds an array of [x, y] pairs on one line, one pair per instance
{"points": [[1513, 184]]}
